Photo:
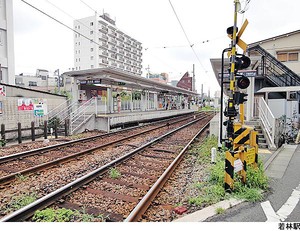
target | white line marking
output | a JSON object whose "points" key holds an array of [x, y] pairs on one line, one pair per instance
{"points": [[269, 212], [285, 209]]}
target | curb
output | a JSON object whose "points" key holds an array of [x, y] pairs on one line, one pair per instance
{"points": [[210, 211]]}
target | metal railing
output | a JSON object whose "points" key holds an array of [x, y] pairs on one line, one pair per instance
{"points": [[82, 114], [268, 121], [62, 111]]}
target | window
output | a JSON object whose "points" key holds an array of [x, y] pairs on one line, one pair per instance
{"points": [[288, 56], [92, 32], [293, 56], [92, 57], [32, 84], [91, 24], [92, 49]]}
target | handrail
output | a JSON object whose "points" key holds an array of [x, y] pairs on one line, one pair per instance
{"points": [[268, 121], [82, 114], [63, 113]]}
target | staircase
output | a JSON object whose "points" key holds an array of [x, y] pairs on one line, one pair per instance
{"points": [[262, 142], [275, 71], [77, 115]]}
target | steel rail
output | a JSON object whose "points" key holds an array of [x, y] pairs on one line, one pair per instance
{"points": [[27, 211], [49, 164], [43, 150], [143, 205]]}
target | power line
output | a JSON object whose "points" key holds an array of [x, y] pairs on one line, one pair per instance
{"points": [[187, 38], [89, 6], [56, 20], [184, 46]]}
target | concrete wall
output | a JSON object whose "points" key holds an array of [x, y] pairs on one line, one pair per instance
{"points": [[10, 115]]}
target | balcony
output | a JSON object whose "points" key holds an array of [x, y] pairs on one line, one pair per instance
{"points": [[105, 53], [103, 29], [105, 45], [121, 37], [103, 38], [104, 61]]}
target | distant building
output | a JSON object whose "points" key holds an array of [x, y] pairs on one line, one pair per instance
{"points": [[186, 82], [7, 59], [41, 81], [174, 83], [162, 78], [99, 43]]}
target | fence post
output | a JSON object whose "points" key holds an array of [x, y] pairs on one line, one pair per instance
{"points": [[19, 133], [67, 127], [2, 131], [32, 131], [45, 129], [55, 129]]}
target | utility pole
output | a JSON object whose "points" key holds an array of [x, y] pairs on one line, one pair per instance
{"points": [[56, 72], [194, 80]]}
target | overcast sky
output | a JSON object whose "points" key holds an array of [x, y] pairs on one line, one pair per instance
{"points": [[43, 43]]}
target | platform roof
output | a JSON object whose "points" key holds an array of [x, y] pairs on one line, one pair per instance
{"points": [[279, 89], [113, 77]]}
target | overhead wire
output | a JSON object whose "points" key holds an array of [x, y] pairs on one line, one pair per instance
{"points": [[63, 24], [187, 38]]}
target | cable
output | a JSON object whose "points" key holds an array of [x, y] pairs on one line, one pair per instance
{"points": [[89, 6], [56, 20], [187, 38], [184, 46]]}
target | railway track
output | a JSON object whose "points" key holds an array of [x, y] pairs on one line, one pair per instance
{"points": [[28, 162], [128, 196]]}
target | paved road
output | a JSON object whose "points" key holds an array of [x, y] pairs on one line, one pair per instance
{"points": [[282, 202]]}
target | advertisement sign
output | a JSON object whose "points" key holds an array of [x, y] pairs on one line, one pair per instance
{"points": [[82, 95], [40, 107], [25, 104], [2, 90]]}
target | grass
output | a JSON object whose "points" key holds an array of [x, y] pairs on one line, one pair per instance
{"points": [[21, 178], [114, 173], [21, 201], [65, 215], [211, 190], [220, 210]]}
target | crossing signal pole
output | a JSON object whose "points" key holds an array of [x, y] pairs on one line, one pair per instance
{"points": [[241, 140]]}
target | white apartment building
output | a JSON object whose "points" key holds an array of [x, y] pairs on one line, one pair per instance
{"points": [[7, 58], [99, 43]]}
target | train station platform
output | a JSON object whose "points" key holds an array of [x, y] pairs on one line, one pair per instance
{"points": [[108, 122]]}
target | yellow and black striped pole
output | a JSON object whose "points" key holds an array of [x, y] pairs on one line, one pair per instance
{"points": [[231, 112]]}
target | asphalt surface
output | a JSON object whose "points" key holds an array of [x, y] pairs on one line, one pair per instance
{"points": [[284, 176]]}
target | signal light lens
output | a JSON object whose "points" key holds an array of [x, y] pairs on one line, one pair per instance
{"points": [[230, 30], [242, 62], [243, 82]]}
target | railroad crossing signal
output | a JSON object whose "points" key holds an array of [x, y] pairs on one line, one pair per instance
{"points": [[239, 41], [241, 140]]}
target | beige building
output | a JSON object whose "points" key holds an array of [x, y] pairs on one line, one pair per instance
{"points": [[285, 48]]}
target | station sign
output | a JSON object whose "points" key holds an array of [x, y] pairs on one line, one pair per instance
{"points": [[246, 73], [90, 82]]}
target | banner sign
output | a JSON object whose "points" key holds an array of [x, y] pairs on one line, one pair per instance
{"points": [[2, 90]]}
